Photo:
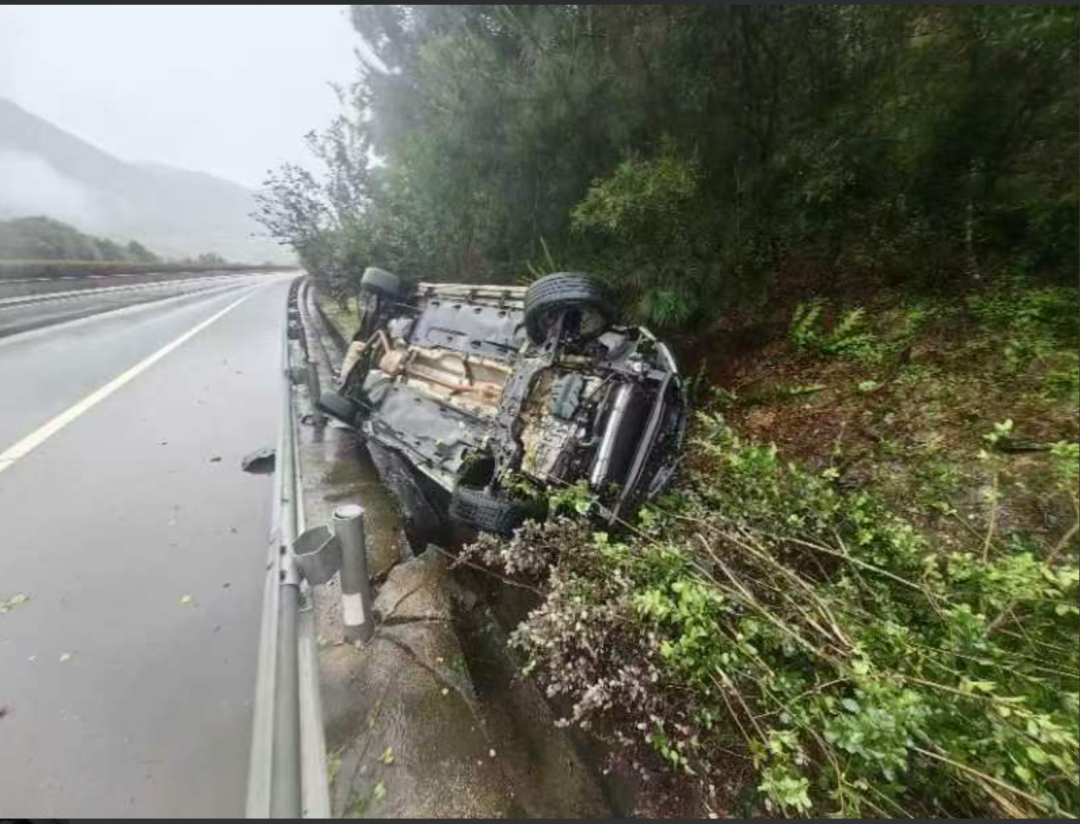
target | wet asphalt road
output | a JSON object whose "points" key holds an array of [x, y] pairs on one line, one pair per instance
{"points": [[26, 305], [117, 696]]}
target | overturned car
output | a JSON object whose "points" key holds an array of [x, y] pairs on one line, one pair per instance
{"points": [[468, 395]]}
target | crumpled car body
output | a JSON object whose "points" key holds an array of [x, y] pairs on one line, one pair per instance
{"points": [[488, 390]]}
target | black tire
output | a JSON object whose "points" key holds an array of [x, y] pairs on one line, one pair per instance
{"points": [[338, 406], [553, 295], [379, 280], [490, 512]]}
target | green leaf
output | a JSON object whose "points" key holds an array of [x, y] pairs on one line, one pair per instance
{"points": [[9, 604], [1037, 756]]}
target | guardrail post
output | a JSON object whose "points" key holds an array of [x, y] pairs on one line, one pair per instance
{"points": [[355, 585]]}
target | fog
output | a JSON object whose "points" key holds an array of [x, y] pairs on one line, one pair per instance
{"points": [[228, 90], [31, 186]]}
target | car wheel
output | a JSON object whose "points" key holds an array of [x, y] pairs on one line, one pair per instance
{"points": [[491, 512], [581, 295], [338, 406], [379, 280]]}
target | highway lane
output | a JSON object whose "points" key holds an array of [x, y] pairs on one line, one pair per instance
{"points": [[16, 287], [126, 680], [58, 302]]}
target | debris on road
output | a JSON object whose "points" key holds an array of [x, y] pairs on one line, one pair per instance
{"points": [[8, 604], [259, 462]]}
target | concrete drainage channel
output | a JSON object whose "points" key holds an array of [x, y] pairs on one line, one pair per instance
{"points": [[385, 689]]}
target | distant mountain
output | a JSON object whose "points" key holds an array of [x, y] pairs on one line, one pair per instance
{"points": [[45, 170]]}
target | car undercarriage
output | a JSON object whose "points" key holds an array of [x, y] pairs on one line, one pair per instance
{"points": [[489, 390]]}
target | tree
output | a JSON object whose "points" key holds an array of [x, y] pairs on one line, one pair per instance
{"points": [[140, 254], [318, 216], [913, 141]]}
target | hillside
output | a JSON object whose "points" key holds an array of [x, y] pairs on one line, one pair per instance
{"points": [[44, 239], [179, 213]]}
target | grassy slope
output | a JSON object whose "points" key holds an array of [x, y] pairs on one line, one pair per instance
{"points": [[907, 412], [344, 320], [892, 671], [843, 623]]}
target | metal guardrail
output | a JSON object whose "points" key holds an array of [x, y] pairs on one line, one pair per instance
{"points": [[287, 775]]}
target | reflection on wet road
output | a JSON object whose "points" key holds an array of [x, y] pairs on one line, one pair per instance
{"points": [[126, 678]]}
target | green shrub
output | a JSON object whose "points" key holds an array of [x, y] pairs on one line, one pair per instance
{"points": [[1064, 384], [650, 210], [1036, 321], [848, 337], [758, 609]]}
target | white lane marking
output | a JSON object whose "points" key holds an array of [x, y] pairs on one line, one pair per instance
{"points": [[132, 310], [19, 450]]}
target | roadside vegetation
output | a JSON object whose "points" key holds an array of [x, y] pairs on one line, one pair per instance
{"points": [[876, 617], [859, 227], [44, 247], [45, 239]]}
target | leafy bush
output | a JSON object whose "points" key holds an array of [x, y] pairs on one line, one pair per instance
{"points": [[650, 208], [1064, 383], [759, 612], [847, 338], [1036, 321]]}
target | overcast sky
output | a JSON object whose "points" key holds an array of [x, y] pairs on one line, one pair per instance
{"points": [[229, 90]]}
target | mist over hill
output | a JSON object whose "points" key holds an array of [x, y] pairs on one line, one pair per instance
{"points": [[45, 170]]}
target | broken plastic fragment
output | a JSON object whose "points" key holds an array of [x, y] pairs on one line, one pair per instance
{"points": [[259, 462]]}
